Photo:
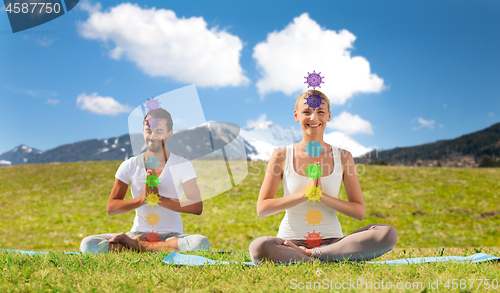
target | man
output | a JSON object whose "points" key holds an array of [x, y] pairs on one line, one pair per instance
{"points": [[158, 180]]}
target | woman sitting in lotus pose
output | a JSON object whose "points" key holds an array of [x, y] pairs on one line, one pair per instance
{"points": [[312, 172]]}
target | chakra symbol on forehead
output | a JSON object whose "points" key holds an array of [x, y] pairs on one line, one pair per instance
{"points": [[314, 148], [314, 79], [313, 101], [152, 162], [153, 122], [152, 104]]}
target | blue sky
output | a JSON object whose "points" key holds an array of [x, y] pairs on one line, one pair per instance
{"points": [[399, 73]]}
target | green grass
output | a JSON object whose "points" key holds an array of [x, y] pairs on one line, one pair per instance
{"points": [[52, 207]]}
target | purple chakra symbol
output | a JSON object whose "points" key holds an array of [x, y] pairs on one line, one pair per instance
{"points": [[313, 101], [152, 104], [314, 79], [153, 122]]}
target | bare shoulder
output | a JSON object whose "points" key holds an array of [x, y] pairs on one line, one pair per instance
{"points": [[279, 155], [345, 156]]}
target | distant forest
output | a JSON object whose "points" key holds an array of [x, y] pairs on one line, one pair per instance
{"points": [[482, 146]]}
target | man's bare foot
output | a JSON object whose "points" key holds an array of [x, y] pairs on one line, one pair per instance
{"points": [[132, 243], [301, 249]]}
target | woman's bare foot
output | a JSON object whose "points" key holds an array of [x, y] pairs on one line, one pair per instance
{"points": [[301, 249]]}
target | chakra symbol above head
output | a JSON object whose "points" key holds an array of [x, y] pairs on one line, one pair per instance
{"points": [[152, 104], [314, 79], [152, 162], [313, 101], [313, 148]]}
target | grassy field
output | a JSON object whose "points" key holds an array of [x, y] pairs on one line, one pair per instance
{"points": [[51, 207]]}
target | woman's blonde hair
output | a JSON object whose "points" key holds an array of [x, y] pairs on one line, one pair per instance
{"points": [[312, 92]]}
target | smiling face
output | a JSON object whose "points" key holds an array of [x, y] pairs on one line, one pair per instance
{"points": [[312, 120], [154, 134]]}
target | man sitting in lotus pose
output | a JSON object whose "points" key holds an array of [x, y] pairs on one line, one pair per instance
{"points": [[155, 185]]}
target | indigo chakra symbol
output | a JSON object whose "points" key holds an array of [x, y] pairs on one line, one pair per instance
{"points": [[153, 122], [313, 101], [314, 80]]}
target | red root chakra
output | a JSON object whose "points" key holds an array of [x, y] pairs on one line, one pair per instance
{"points": [[314, 239]]}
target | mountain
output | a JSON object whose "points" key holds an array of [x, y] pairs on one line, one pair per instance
{"points": [[257, 143], [265, 137], [469, 149], [19, 155], [112, 149]]}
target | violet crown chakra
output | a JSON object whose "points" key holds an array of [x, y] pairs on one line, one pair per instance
{"points": [[152, 104], [314, 79]]}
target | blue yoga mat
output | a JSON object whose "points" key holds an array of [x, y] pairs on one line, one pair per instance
{"points": [[176, 258], [33, 252]]}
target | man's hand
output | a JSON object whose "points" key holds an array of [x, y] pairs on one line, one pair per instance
{"points": [[148, 190]]}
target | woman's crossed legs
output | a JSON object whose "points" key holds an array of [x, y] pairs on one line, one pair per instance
{"points": [[366, 243]]}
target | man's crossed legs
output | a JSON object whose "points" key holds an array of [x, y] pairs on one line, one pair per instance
{"points": [[137, 241]]}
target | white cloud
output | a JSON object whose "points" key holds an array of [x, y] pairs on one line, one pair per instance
{"points": [[444, 105], [424, 123], [52, 101], [286, 57], [441, 125], [32, 93], [260, 123], [350, 124], [161, 44], [491, 113], [101, 105], [45, 42]]}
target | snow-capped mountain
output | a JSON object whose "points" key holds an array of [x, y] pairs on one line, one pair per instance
{"points": [[265, 137], [19, 155], [259, 141]]}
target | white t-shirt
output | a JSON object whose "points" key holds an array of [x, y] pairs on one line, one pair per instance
{"points": [[177, 171]]}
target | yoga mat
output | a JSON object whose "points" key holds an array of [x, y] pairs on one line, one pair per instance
{"points": [[176, 258], [32, 252], [479, 257]]}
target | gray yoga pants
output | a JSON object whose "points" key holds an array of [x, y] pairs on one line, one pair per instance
{"points": [[100, 243], [366, 243]]}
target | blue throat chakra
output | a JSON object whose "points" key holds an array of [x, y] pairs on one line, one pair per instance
{"points": [[313, 101], [152, 162], [314, 148]]}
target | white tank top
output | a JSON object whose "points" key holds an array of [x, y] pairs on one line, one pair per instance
{"points": [[302, 219]]}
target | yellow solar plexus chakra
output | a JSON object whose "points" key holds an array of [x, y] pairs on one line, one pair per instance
{"points": [[152, 219], [152, 199], [314, 217], [313, 193]]}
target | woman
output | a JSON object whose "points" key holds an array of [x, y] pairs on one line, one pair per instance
{"points": [[312, 172]]}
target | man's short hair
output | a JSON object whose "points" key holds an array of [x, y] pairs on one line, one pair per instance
{"points": [[161, 113]]}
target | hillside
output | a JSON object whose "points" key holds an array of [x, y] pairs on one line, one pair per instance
{"points": [[467, 150]]}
